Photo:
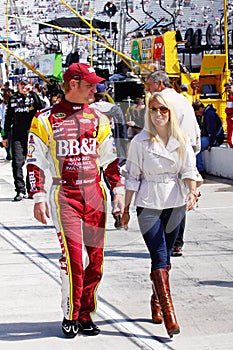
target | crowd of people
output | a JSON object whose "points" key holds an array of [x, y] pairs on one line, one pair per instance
{"points": [[151, 153]]}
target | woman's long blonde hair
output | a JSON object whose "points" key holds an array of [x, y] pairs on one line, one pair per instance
{"points": [[173, 128]]}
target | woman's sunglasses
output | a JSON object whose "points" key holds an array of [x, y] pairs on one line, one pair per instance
{"points": [[162, 109]]}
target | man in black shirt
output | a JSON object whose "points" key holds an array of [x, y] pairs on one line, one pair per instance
{"points": [[21, 108]]}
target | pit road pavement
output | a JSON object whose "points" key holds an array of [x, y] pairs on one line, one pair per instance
{"points": [[201, 280]]}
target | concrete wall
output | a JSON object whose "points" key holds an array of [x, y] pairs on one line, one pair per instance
{"points": [[219, 162]]}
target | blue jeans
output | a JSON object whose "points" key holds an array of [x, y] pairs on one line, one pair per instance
{"points": [[160, 229], [205, 142]]}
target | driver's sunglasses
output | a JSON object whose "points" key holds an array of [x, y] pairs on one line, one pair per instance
{"points": [[162, 109]]}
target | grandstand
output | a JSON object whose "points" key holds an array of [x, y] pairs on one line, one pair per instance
{"points": [[187, 13], [179, 14]]}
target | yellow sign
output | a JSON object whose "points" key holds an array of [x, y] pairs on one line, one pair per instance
{"points": [[213, 64]]}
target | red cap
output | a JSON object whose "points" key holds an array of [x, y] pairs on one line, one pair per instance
{"points": [[82, 71]]}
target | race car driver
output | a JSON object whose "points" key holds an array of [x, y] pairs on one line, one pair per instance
{"points": [[74, 141]]}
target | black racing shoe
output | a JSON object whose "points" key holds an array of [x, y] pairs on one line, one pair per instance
{"points": [[177, 251], [117, 222], [88, 328], [20, 196], [70, 328]]}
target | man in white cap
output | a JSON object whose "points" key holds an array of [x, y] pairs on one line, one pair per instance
{"points": [[74, 141]]}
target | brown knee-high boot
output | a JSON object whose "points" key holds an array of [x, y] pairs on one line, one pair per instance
{"points": [[160, 280], [156, 312]]}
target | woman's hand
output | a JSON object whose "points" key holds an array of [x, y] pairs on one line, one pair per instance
{"points": [[125, 220], [191, 200]]}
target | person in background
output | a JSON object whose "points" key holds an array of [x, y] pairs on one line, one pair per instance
{"points": [[161, 172], [159, 82], [135, 117], [212, 134], [55, 97], [38, 89], [74, 141], [21, 108], [184, 91], [107, 96], [44, 97], [121, 72], [2, 110], [6, 89], [5, 98], [119, 131], [2, 116], [229, 112]]}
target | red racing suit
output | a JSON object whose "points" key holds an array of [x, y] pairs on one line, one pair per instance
{"points": [[229, 119], [74, 141]]}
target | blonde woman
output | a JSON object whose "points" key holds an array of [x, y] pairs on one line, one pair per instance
{"points": [[161, 171]]}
